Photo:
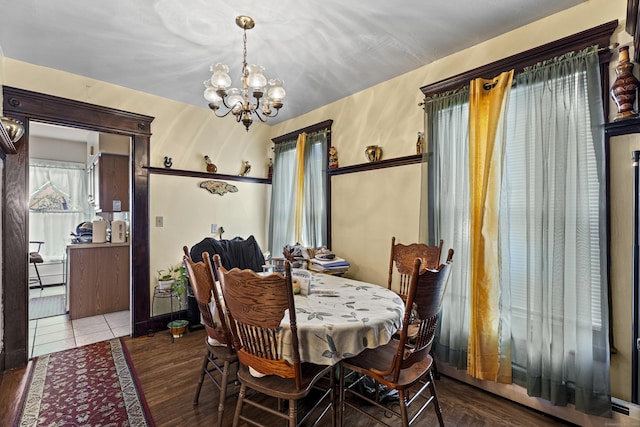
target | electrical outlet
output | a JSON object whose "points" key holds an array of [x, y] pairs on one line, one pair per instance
{"points": [[159, 221], [214, 228]]}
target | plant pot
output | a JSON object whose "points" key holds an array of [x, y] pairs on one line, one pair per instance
{"points": [[164, 285], [177, 327]]}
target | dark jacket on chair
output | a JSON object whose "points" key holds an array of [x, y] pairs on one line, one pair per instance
{"points": [[237, 252]]}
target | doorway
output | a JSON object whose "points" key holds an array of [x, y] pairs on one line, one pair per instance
{"points": [[28, 106], [61, 202]]}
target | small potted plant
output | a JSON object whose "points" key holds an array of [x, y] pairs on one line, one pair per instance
{"points": [[179, 280], [174, 278], [165, 279], [178, 287]]}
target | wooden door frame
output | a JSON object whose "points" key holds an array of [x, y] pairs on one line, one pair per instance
{"points": [[25, 106]]}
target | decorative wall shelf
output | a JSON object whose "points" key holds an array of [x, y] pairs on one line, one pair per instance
{"points": [[207, 175], [381, 164], [622, 127]]}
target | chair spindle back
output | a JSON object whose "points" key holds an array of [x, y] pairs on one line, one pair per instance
{"points": [[403, 256], [255, 307], [425, 295]]}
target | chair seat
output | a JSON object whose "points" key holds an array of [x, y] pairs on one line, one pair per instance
{"points": [[219, 358], [35, 257], [380, 358], [222, 353], [284, 388]]}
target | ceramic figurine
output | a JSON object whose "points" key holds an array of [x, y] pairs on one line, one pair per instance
{"points": [[333, 157], [210, 166], [420, 143], [167, 162], [246, 168]]}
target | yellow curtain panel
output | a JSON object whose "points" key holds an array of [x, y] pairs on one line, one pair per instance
{"points": [[487, 105], [302, 139]]}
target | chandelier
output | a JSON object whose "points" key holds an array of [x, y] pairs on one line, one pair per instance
{"points": [[254, 83]]}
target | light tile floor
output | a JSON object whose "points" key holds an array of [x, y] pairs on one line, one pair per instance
{"points": [[58, 333]]}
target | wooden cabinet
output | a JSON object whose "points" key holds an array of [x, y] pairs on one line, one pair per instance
{"points": [[109, 182], [98, 279]]}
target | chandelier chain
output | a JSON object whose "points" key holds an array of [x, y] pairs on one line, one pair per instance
{"points": [[244, 67]]}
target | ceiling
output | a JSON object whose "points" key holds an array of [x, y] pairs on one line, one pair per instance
{"points": [[323, 50]]}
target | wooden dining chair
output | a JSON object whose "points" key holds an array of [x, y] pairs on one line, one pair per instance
{"points": [[403, 365], [256, 305], [403, 256], [218, 359]]}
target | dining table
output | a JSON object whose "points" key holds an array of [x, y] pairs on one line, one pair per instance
{"points": [[340, 317]]}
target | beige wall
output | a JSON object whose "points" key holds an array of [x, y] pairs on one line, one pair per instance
{"points": [[367, 207], [621, 195], [185, 133], [388, 115], [382, 204], [188, 212], [56, 149]]}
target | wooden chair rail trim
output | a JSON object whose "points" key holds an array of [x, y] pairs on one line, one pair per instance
{"points": [[206, 175]]}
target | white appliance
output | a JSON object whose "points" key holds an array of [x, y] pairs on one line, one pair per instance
{"points": [[118, 231], [99, 231]]}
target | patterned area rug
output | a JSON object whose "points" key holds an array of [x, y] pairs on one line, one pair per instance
{"points": [[41, 307], [94, 385]]}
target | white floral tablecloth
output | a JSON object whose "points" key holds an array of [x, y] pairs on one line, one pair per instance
{"points": [[340, 318]]}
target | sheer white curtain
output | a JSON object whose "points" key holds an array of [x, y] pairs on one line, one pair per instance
{"points": [[283, 207], [448, 213], [54, 223], [552, 230], [284, 190], [554, 233], [314, 212]]}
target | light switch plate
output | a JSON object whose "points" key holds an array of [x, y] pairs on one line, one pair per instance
{"points": [[214, 228], [159, 221]]}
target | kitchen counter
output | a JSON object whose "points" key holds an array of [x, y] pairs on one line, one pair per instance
{"points": [[95, 245], [98, 278]]}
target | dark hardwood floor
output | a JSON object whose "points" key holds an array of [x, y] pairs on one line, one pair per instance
{"points": [[169, 372]]}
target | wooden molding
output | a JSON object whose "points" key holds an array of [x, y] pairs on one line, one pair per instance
{"points": [[309, 129], [25, 105], [599, 35], [632, 17], [56, 110], [622, 127], [633, 27]]}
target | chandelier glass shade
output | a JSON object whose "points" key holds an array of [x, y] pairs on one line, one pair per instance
{"points": [[258, 96]]}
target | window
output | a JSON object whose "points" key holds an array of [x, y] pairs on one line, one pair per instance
{"points": [[299, 189], [552, 251], [57, 204]]}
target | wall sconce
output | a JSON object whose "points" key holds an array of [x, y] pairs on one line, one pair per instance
{"points": [[14, 128]]}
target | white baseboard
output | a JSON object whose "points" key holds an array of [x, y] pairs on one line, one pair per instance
{"points": [[568, 413]]}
